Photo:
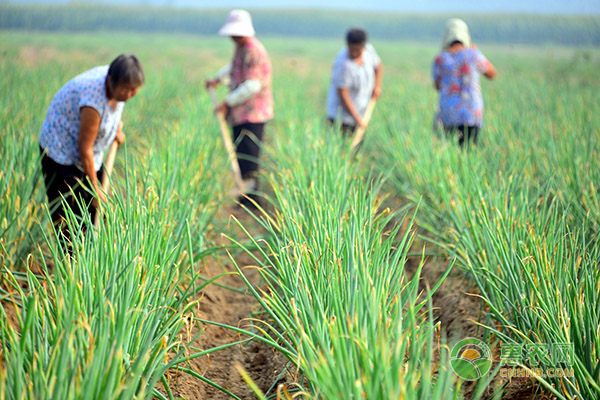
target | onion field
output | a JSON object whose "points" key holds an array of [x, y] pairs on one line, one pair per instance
{"points": [[342, 263]]}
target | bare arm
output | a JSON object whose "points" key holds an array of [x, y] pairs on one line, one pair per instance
{"points": [[88, 131], [490, 71], [378, 79], [436, 73], [120, 138], [349, 105]]}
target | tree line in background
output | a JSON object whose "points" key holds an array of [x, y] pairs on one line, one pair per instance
{"points": [[500, 28]]}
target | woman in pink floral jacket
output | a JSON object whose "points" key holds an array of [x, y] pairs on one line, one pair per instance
{"points": [[249, 103]]}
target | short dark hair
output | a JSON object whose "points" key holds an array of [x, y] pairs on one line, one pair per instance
{"points": [[356, 36], [126, 68]]}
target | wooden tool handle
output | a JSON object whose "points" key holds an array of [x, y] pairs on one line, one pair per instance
{"points": [[228, 143], [360, 132], [108, 167]]}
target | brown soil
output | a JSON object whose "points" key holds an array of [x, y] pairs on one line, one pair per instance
{"points": [[456, 307], [10, 306], [266, 367], [260, 361], [461, 312]]}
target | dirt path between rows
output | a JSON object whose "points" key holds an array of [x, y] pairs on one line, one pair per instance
{"points": [[459, 310], [455, 303], [263, 364], [456, 307]]}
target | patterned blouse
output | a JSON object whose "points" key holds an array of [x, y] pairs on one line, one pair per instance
{"points": [[359, 79], [252, 62], [461, 102], [59, 135]]}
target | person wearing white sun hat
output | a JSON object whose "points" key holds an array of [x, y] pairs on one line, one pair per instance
{"points": [[249, 103]]}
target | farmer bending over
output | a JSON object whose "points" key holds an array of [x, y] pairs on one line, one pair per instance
{"points": [[355, 79], [83, 119], [249, 103], [456, 73]]}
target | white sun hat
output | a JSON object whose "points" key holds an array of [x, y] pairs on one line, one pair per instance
{"points": [[238, 23], [456, 30]]}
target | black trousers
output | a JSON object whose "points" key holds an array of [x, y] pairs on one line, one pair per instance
{"points": [[466, 134], [60, 180], [346, 129], [248, 138]]}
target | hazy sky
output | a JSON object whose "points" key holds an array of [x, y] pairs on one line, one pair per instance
{"points": [[428, 6]]}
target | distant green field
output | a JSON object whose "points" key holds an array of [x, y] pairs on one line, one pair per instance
{"points": [[520, 215], [503, 28]]}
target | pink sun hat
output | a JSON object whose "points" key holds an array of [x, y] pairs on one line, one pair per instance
{"points": [[238, 23]]}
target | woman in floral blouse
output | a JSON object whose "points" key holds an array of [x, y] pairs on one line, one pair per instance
{"points": [[83, 119], [456, 73]]}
